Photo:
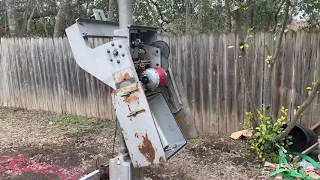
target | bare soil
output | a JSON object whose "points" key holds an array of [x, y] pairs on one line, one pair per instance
{"points": [[86, 143]]}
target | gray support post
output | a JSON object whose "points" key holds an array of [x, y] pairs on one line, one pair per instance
{"points": [[125, 13], [125, 19]]}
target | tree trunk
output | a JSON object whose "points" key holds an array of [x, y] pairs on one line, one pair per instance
{"points": [[250, 15], [29, 23], [303, 107], [60, 24], [237, 20], [13, 16], [187, 4], [24, 23], [229, 13], [111, 14], [244, 65]]}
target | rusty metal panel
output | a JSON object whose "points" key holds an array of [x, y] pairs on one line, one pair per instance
{"points": [[138, 126]]}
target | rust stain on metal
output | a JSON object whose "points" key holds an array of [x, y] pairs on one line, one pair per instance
{"points": [[123, 77], [131, 99], [130, 89], [130, 112], [147, 149], [137, 165], [136, 135], [161, 159]]}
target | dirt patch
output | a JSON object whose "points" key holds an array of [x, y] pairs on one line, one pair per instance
{"points": [[81, 143]]}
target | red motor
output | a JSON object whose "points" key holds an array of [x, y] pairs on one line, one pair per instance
{"points": [[154, 78]]}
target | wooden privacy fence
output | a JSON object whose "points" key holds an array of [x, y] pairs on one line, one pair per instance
{"points": [[42, 74]]}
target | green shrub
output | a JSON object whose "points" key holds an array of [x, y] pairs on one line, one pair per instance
{"points": [[262, 140]]}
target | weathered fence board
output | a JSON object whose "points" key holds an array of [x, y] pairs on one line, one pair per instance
{"points": [[42, 74]]}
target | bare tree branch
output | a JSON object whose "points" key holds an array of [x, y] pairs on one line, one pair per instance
{"points": [[13, 17], [284, 24], [187, 4], [24, 23], [304, 106], [276, 15], [112, 10], [163, 20], [30, 20], [228, 8]]}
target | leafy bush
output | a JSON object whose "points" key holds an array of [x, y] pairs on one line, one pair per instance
{"points": [[263, 136]]}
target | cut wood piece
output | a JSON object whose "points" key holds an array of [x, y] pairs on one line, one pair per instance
{"points": [[307, 151], [237, 135], [271, 165], [240, 134], [316, 128], [312, 174], [279, 177], [247, 133], [184, 116]]}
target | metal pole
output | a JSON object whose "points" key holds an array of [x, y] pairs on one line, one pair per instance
{"points": [[125, 13], [125, 19]]}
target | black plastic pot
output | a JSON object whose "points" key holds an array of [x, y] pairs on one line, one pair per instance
{"points": [[302, 138]]}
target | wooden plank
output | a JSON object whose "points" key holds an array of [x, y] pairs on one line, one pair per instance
{"points": [[204, 92], [6, 60], [188, 78], [50, 76], [259, 48], [25, 71], [30, 75], [14, 87], [267, 79], [89, 83], [15, 75], [286, 72], [316, 128], [21, 78], [213, 82], [315, 105], [60, 71], [276, 80], [230, 84], [81, 84], [65, 66], [196, 51], [298, 75], [4, 73], [33, 64], [222, 86], [307, 77]]}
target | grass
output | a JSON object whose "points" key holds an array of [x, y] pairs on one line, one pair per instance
{"points": [[79, 124]]}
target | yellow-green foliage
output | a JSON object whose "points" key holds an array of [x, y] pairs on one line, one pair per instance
{"points": [[265, 134], [268, 60]]}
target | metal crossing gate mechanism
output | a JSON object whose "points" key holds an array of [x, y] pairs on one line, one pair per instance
{"points": [[145, 95]]}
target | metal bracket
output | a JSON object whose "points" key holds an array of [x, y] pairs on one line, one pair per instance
{"points": [[99, 14], [96, 28], [129, 93], [135, 113]]}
